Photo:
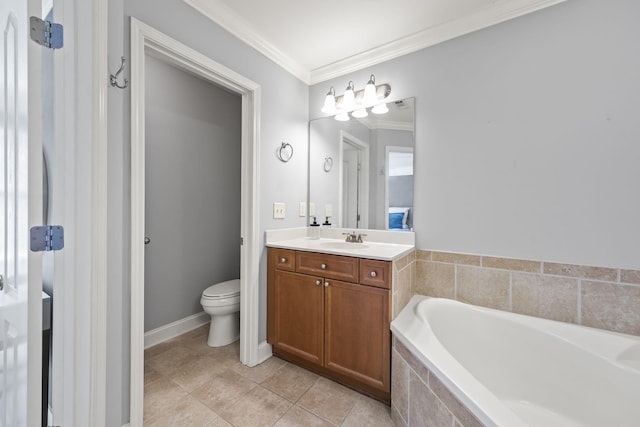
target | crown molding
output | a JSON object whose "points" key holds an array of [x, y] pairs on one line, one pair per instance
{"points": [[222, 15], [500, 11], [386, 124]]}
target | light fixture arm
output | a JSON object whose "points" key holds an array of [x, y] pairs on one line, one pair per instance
{"points": [[382, 91]]}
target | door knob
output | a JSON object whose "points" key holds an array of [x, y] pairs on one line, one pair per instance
{"points": [[147, 240], [326, 284]]}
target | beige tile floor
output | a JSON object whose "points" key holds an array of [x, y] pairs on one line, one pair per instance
{"points": [[187, 383]]}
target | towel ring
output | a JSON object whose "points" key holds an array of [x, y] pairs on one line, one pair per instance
{"points": [[285, 152], [328, 164]]}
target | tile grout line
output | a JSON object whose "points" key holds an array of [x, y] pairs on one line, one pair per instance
{"points": [[579, 314]]}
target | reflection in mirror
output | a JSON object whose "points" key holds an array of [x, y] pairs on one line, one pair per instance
{"points": [[371, 182]]}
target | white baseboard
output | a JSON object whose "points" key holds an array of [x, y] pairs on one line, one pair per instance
{"points": [[179, 327], [264, 351]]}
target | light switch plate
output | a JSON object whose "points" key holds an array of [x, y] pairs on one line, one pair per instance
{"points": [[303, 209], [328, 210], [312, 209], [278, 210]]}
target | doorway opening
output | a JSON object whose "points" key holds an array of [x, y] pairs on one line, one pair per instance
{"points": [[146, 40], [399, 188]]}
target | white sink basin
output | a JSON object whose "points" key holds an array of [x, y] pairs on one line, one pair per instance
{"points": [[344, 245]]}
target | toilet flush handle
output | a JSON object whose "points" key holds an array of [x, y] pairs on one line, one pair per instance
{"points": [[147, 240]]}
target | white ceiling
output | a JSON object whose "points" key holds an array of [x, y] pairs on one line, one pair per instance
{"points": [[322, 39]]}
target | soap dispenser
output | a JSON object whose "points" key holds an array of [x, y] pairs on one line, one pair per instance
{"points": [[314, 230], [326, 222]]}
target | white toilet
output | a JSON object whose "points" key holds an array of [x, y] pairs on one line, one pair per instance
{"points": [[222, 302]]}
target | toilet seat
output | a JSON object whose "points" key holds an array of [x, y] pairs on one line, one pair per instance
{"points": [[228, 289]]}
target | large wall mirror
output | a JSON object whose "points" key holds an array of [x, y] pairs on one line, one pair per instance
{"points": [[361, 170]]}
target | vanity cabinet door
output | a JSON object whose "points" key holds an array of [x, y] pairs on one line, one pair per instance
{"points": [[357, 337], [298, 315]]}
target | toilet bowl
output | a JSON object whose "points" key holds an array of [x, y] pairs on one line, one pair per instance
{"points": [[222, 302]]}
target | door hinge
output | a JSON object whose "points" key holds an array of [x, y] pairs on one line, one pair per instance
{"points": [[46, 33], [47, 238]]}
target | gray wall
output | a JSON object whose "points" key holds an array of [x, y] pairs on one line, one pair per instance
{"points": [[284, 117], [401, 191], [192, 206], [527, 135]]}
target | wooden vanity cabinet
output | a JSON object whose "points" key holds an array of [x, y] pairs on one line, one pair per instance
{"points": [[330, 314]]}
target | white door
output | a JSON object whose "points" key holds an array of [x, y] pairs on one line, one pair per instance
{"points": [[20, 209]]}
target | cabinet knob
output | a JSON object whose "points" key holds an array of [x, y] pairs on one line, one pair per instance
{"points": [[318, 282], [326, 284], [283, 260], [373, 274], [323, 266]]}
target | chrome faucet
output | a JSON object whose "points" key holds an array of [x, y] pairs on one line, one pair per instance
{"points": [[353, 237]]}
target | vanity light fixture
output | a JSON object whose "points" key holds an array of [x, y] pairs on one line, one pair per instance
{"points": [[349, 98], [330, 102], [370, 96], [357, 102]]}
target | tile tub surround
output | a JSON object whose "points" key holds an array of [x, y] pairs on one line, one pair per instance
{"points": [[403, 279], [418, 398], [599, 297]]}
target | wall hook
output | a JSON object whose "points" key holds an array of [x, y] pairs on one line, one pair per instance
{"points": [[114, 77]]}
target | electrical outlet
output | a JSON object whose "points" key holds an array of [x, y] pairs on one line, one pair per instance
{"points": [[303, 209], [328, 210], [312, 209], [278, 210]]}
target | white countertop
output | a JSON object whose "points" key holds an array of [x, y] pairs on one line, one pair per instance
{"points": [[382, 245]]}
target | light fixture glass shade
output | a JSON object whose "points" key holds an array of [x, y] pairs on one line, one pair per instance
{"points": [[330, 102], [349, 98], [380, 109], [342, 117], [360, 114], [370, 96]]}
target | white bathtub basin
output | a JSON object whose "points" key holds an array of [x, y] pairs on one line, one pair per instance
{"points": [[514, 370]]}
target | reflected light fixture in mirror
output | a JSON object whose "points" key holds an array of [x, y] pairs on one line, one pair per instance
{"points": [[342, 117], [360, 114], [380, 109], [357, 102]]}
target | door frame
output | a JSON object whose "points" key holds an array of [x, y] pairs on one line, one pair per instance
{"points": [[363, 189], [79, 172], [146, 39]]}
